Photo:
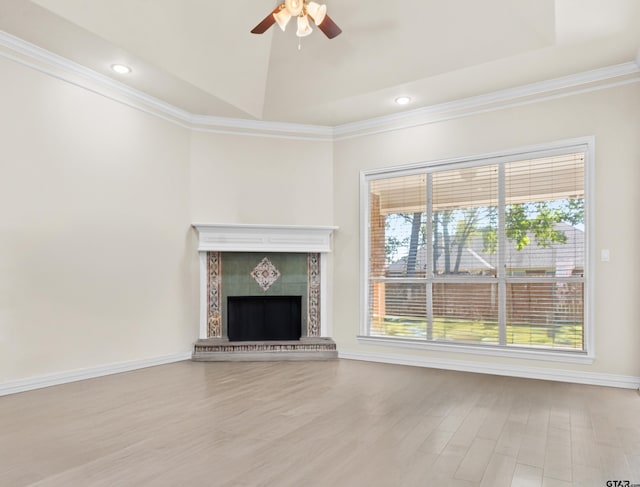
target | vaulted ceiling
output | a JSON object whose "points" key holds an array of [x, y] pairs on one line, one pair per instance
{"points": [[199, 55]]}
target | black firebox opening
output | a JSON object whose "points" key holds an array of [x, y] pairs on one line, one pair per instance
{"points": [[258, 318]]}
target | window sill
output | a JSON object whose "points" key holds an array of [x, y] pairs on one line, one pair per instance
{"points": [[487, 350]]}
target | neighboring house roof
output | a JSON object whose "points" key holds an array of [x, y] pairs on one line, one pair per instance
{"points": [[562, 258]]}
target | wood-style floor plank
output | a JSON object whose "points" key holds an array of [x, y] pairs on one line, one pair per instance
{"points": [[499, 472], [342, 423]]}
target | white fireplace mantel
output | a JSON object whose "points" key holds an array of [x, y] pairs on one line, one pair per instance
{"points": [[221, 237]]}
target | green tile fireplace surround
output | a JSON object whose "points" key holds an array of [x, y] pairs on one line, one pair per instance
{"points": [[237, 280]]}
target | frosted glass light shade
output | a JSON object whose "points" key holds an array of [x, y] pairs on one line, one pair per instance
{"points": [[282, 18], [294, 6], [317, 12], [304, 29]]}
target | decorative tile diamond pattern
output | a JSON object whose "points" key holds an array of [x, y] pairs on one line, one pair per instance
{"points": [[265, 274]]}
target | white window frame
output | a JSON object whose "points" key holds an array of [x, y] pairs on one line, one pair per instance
{"points": [[582, 144]]}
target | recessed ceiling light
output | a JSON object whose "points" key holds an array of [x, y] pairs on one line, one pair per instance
{"points": [[121, 68], [403, 100]]}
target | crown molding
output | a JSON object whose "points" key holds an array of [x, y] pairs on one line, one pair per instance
{"points": [[208, 123], [39, 59], [593, 80], [46, 62]]}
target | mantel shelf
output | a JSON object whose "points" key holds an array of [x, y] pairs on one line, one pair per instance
{"points": [[220, 237]]}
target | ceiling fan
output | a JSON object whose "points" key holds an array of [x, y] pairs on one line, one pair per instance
{"points": [[303, 10]]}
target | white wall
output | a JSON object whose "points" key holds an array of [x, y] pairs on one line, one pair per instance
{"points": [[611, 115], [96, 250], [248, 179]]}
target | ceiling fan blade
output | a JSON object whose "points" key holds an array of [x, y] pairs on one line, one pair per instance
{"points": [[329, 27], [268, 21]]}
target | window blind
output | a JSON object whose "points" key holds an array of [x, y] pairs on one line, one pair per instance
{"points": [[480, 252], [545, 251], [397, 256]]}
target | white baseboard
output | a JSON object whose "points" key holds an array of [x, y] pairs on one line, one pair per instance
{"points": [[560, 375], [40, 381]]}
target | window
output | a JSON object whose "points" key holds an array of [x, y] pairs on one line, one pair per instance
{"points": [[488, 252]]}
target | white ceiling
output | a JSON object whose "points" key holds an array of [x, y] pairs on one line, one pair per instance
{"points": [[199, 55]]}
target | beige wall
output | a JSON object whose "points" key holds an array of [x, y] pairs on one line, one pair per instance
{"points": [[96, 250], [245, 179], [611, 115]]}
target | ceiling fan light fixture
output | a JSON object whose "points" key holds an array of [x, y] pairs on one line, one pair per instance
{"points": [[306, 11], [282, 18], [294, 6], [317, 12], [304, 29]]}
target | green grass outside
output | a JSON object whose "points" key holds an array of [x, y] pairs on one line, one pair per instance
{"points": [[469, 331]]}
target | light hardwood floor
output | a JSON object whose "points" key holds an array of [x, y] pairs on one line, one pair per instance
{"points": [[339, 423]]}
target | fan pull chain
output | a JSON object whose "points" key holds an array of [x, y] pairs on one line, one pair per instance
{"points": [[299, 43]]}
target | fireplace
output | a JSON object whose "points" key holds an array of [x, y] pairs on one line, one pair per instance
{"points": [[264, 318], [263, 293]]}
